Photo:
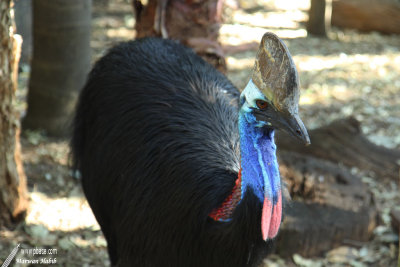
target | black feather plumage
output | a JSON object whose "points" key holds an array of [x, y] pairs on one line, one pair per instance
{"points": [[156, 141]]}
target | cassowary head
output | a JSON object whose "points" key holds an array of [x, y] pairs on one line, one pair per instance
{"points": [[269, 101], [272, 94]]}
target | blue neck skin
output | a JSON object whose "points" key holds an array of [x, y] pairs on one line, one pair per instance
{"points": [[258, 158]]}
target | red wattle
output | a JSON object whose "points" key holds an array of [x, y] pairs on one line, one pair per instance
{"points": [[225, 211], [271, 217]]}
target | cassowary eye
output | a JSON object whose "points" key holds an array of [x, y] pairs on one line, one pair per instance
{"points": [[261, 104]]}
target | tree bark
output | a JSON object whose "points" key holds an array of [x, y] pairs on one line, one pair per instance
{"points": [[367, 15], [330, 205], [61, 61], [343, 143], [23, 21], [13, 190], [319, 19], [195, 23]]}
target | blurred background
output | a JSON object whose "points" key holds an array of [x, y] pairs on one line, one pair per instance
{"points": [[344, 187]]}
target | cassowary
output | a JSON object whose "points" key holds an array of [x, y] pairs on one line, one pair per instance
{"points": [[178, 167]]}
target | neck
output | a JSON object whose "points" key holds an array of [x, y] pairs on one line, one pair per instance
{"points": [[258, 159], [259, 171]]}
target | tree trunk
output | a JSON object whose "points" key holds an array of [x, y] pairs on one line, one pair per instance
{"points": [[367, 15], [23, 21], [195, 23], [13, 192], [319, 17], [330, 204], [343, 143], [61, 61]]}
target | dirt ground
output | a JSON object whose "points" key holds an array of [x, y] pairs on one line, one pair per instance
{"points": [[349, 73]]}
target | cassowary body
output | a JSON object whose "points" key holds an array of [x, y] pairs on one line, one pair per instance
{"points": [[178, 170]]}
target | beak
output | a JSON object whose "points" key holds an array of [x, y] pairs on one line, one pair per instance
{"points": [[288, 122], [295, 127]]}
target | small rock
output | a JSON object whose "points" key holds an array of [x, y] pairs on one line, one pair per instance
{"points": [[100, 242], [79, 241], [48, 176], [363, 252], [40, 233], [357, 264], [381, 229], [76, 191], [60, 181], [37, 231], [389, 238], [65, 243], [303, 262], [342, 255]]}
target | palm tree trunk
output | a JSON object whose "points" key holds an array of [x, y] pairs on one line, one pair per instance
{"points": [[13, 192], [319, 17], [61, 61], [194, 23], [23, 21]]}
